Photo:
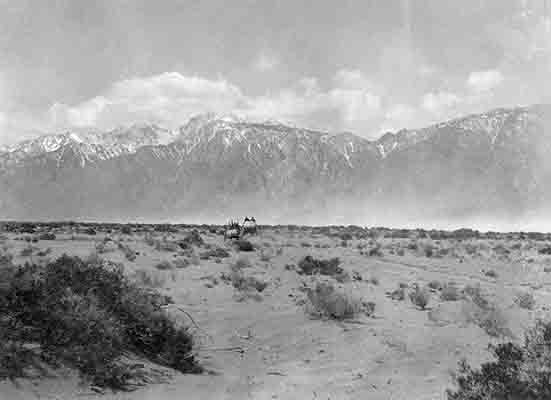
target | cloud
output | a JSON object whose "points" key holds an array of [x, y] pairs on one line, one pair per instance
{"points": [[169, 98], [437, 102], [172, 98], [265, 61], [484, 81]]}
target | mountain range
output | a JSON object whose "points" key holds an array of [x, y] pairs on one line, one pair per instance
{"points": [[494, 165]]}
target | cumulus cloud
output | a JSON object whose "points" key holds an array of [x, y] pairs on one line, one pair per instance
{"points": [[484, 81], [169, 98], [172, 98]]}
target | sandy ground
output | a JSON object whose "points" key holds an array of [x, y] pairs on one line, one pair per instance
{"points": [[402, 352]]}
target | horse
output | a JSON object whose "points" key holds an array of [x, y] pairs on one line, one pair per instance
{"points": [[249, 226], [232, 230]]}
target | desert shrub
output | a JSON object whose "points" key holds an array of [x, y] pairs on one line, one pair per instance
{"points": [[305, 244], [150, 279], [435, 285], [420, 297], [324, 300], [428, 250], [193, 238], [545, 250], [243, 245], [474, 293], [547, 270], [90, 231], [166, 245], [450, 292], [525, 300], [374, 280], [398, 294], [126, 230], [164, 265], [246, 283], [369, 308], [44, 253], [129, 254], [517, 372], [491, 273], [86, 315], [400, 252], [311, 266], [47, 236], [149, 240], [6, 258], [181, 262], [265, 256], [26, 251], [217, 252], [493, 321], [240, 263], [375, 251]]}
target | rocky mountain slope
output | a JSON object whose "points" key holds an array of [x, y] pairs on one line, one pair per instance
{"points": [[494, 164]]}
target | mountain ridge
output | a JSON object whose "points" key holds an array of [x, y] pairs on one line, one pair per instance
{"points": [[213, 167]]}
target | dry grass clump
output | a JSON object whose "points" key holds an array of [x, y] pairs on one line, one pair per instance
{"points": [[420, 296], [84, 314], [324, 300], [525, 300]]}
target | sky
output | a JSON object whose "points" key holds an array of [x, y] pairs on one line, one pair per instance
{"points": [[366, 66]]}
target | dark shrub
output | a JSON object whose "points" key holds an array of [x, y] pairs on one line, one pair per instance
{"points": [[126, 230], [517, 373], [90, 231], [244, 245], [311, 266], [86, 315]]}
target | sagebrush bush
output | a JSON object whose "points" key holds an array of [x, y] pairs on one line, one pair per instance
{"points": [[518, 372], [311, 266], [86, 315], [420, 297], [243, 245], [525, 300], [324, 300]]}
